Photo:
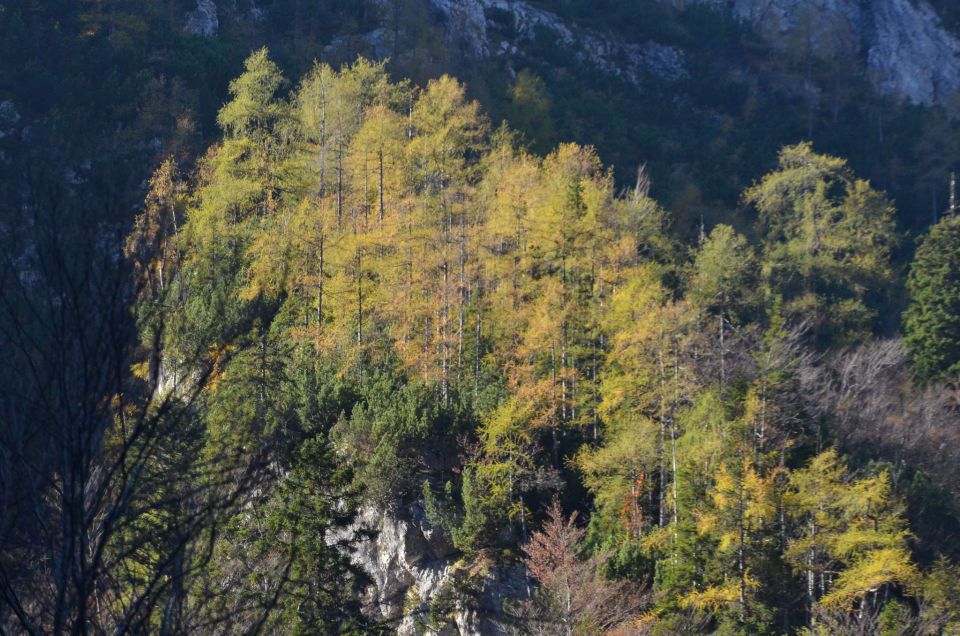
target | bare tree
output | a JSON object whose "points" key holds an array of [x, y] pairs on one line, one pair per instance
{"points": [[873, 407], [107, 506]]}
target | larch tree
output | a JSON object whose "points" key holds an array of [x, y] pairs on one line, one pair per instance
{"points": [[851, 538], [827, 239], [721, 286]]}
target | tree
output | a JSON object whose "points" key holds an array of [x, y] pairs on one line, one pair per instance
{"points": [[253, 110], [722, 268], [740, 514], [827, 238], [529, 109], [500, 477], [722, 284], [850, 539], [720, 557], [446, 129], [932, 319], [282, 564], [256, 149], [573, 597], [106, 489], [623, 470]]}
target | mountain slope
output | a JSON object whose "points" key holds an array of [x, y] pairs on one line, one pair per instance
{"points": [[683, 89]]}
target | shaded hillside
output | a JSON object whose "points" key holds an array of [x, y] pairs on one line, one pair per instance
{"points": [[701, 97]]}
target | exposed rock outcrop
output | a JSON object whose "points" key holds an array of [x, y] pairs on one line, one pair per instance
{"points": [[911, 55], [421, 584], [203, 20], [375, 43], [902, 44], [477, 27]]}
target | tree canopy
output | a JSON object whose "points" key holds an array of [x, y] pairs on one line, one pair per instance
{"points": [[365, 298]]}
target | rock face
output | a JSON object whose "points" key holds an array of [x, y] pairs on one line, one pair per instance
{"points": [[908, 53], [376, 44], [420, 585], [912, 55], [477, 27], [901, 44], [203, 20]]}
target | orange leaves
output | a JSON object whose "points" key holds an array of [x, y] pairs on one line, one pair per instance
{"points": [[217, 356], [631, 510], [575, 593]]}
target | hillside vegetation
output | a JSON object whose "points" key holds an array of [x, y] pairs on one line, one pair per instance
{"points": [[643, 359], [386, 299]]}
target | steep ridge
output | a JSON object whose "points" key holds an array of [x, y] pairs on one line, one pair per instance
{"points": [[908, 53], [468, 25], [901, 44]]}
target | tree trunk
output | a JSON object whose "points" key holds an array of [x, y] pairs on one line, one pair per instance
{"points": [[320, 289], [380, 184]]}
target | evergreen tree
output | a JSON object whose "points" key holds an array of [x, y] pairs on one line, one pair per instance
{"points": [[932, 319]]}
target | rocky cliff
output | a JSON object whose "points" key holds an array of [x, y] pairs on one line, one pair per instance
{"points": [[468, 25], [900, 44], [420, 582], [203, 20]]}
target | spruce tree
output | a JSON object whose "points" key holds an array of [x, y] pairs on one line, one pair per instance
{"points": [[932, 320]]}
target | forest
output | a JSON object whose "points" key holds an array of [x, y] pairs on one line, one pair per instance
{"points": [[365, 296]]}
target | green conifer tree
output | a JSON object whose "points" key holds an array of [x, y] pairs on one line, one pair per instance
{"points": [[932, 319]]}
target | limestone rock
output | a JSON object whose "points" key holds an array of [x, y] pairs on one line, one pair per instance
{"points": [[911, 55], [376, 44], [414, 566], [203, 20], [908, 53], [469, 26]]}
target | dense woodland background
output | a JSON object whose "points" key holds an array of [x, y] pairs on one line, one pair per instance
{"points": [[688, 372]]}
